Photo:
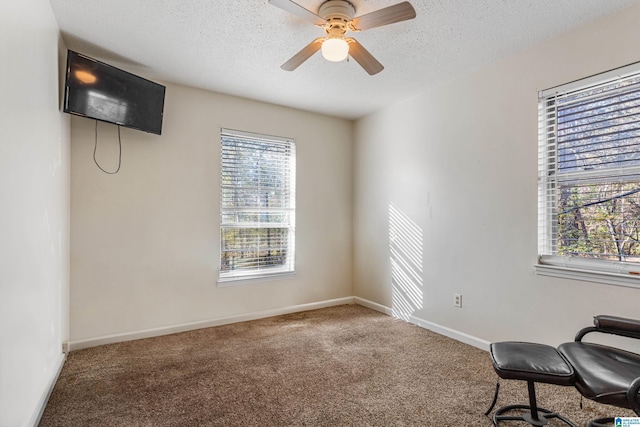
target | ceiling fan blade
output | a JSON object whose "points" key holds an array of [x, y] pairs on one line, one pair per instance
{"points": [[306, 53], [298, 10], [389, 15], [363, 57]]}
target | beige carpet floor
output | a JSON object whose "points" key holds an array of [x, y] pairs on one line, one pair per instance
{"points": [[339, 366]]}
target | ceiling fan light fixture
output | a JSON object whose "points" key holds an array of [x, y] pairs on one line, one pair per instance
{"points": [[335, 49]]}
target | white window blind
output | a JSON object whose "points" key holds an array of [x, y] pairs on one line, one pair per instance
{"points": [[257, 206], [589, 175]]}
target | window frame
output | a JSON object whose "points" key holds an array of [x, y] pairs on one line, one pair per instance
{"points": [[243, 276], [591, 270]]}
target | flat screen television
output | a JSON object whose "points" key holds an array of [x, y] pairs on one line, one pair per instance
{"points": [[100, 91]]}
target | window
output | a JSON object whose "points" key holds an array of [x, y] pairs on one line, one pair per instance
{"points": [[257, 205], [589, 177]]}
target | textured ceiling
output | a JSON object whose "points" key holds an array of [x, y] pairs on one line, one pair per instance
{"points": [[237, 47]]}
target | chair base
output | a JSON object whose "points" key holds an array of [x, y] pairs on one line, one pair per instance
{"points": [[538, 418], [601, 422]]}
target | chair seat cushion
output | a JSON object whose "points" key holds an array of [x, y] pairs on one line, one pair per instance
{"points": [[530, 362], [603, 373]]}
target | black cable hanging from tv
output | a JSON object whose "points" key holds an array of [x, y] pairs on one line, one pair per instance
{"points": [[95, 148]]}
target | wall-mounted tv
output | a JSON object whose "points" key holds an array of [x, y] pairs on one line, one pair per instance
{"points": [[100, 91]]}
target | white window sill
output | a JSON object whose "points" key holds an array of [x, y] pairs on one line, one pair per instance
{"points": [[251, 279], [618, 279]]}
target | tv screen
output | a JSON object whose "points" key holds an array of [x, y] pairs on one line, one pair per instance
{"points": [[102, 92]]}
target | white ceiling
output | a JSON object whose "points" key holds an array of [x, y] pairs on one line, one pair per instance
{"points": [[237, 47]]}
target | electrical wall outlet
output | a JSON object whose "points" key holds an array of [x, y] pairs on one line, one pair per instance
{"points": [[457, 300]]}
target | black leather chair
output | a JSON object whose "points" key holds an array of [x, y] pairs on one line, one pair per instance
{"points": [[603, 373]]}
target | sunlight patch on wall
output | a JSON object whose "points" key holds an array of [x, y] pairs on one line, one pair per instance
{"points": [[405, 247]]}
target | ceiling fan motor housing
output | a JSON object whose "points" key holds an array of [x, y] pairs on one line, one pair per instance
{"points": [[337, 13], [340, 9]]}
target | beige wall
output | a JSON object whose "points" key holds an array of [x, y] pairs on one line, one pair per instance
{"points": [[145, 242], [34, 213], [456, 167]]}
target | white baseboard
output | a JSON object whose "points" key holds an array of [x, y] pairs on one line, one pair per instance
{"points": [[42, 403], [442, 330], [148, 333], [373, 305], [451, 333]]}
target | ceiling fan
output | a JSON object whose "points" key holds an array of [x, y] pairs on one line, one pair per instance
{"points": [[336, 17]]}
